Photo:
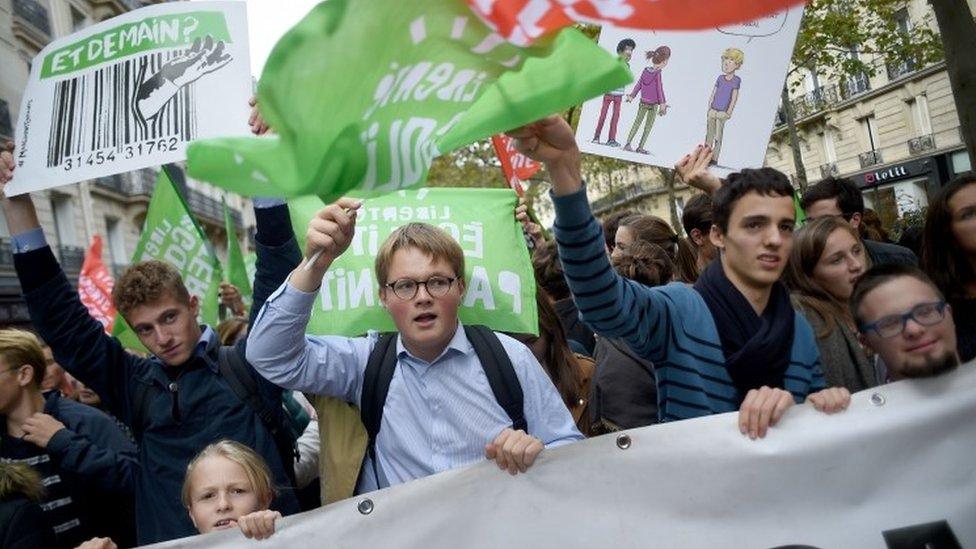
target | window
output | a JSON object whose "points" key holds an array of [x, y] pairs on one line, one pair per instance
{"points": [[810, 81], [869, 129], [116, 242], [830, 152], [903, 21], [78, 19], [64, 219], [859, 83], [920, 116]]}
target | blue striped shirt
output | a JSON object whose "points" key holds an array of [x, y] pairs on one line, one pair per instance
{"points": [[437, 416], [670, 326]]}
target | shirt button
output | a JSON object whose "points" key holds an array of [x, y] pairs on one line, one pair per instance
{"points": [[173, 387]]}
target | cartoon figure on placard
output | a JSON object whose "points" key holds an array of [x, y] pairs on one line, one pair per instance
{"points": [[724, 97], [625, 49], [652, 101]]}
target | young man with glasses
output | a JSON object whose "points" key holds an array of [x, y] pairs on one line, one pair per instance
{"points": [[904, 318], [440, 411], [840, 197]]}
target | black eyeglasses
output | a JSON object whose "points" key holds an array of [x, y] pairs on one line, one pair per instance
{"points": [[407, 288], [926, 314]]}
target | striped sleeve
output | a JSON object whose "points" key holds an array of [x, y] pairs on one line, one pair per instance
{"points": [[610, 304]]}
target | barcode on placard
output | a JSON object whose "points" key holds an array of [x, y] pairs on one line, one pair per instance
{"points": [[98, 112]]}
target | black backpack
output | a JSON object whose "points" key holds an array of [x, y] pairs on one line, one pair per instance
{"points": [[241, 378], [382, 364]]}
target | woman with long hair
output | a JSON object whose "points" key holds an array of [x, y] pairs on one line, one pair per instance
{"points": [[570, 372], [949, 255], [827, 259], [654, 230]]}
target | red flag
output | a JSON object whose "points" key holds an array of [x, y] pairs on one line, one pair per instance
{"points": [[517, 166], [95, 286], [522, 21]]}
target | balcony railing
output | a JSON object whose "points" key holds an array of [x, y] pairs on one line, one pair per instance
{"points": [[6, 126], [815, 101], [6, 253], [921, 144], [901, 68], [34, 14], [138, 183], [856, 86], [210, 209], [72, 258], [870, 158], [618, 197], [829, 170]]}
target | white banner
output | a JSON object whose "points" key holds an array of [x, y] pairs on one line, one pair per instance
{"points": [[131, 92], [900, 457]]}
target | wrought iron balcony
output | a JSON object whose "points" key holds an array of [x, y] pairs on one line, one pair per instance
{"points": [[921, 144], [34, 15], [6, 125], [6, 254], [72, 258], [815, 101], [829, 170], [870, 158], [856, 86], [137, 183], [900, 68], [619, 196]]}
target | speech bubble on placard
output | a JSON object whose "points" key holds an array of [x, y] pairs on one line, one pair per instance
{"points": [[758, 28]]}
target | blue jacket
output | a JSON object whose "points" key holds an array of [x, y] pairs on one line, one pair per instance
{"points": [[202, 409], [670, 326]]}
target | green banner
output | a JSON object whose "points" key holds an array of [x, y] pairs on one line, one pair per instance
{"points": [[151, 33], [236, 268], [171, 234], [500, 282], [365, 96]]}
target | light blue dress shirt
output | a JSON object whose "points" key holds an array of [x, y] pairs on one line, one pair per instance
{"points": [[438, 415]]}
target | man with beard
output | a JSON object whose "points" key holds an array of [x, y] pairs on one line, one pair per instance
{"points": [[904, 318]]}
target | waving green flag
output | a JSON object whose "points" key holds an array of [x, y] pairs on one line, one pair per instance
{"points": [[236, 268], [500, 290], [366, 97], [172, 235]]}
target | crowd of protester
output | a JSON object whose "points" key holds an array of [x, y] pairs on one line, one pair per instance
{"points": [[236, 425]]}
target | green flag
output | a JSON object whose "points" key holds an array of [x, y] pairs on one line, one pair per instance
{"points": [[364, 96], [172, 235], [801, 215], [500, 289], [236, 268]]}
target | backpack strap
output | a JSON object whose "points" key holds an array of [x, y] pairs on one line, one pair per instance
{"points": [[500, 373], [240, 377], [376, 384]]}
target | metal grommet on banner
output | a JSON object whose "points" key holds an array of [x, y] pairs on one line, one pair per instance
{"points": [[623, 442], [366, 506], [878, 399]]}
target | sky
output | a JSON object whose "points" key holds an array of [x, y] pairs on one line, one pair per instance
{"points": [[267, 21]]}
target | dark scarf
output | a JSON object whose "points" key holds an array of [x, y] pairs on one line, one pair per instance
{"points": [[757, 348]]}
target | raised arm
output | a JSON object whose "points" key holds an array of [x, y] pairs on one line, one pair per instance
{"points": [[277, 345], [611, 305], [78, 341]]}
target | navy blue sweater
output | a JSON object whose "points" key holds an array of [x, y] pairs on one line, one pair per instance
{"points": [[88, 469], [202, 409]]}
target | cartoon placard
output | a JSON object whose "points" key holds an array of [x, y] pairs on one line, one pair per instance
{"points": [[719, 86], [131, 92]]}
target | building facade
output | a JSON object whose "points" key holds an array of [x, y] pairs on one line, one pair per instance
{"points": [[113, 207], [896, 134]]}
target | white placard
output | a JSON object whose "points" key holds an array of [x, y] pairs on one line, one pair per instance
{"points": [[131, 92], [900, 457], [696, 67]]}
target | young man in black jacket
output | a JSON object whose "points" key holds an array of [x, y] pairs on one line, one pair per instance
{"points": [[177, 402], [86, 463]]}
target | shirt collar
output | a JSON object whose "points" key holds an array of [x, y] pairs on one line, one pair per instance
{"points": [[459, 343]]}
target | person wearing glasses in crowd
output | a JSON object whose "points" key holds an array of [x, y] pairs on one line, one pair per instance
{"points": [[440, 411], [904, 318]]}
